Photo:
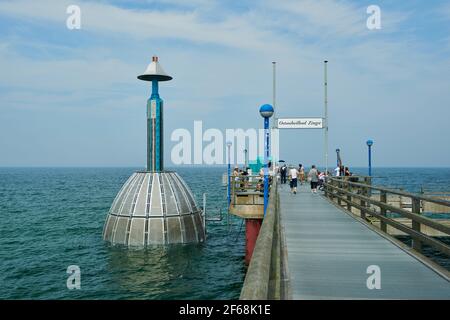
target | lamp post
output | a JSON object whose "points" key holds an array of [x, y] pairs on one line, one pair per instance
{"points": [[326, 114], [274, 92], [229, 173], [266, 111], [245, 158], [370, 144], [337, 157]]}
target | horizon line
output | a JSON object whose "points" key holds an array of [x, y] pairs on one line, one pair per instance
{"points": [[203, 166]]}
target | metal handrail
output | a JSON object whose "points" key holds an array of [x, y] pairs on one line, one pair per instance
{"points": [[405, 213], [247, 187], [342, 190], [396, 192]]}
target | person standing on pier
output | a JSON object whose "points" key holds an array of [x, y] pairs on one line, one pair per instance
{"points": [[301, 172], [321, 180], [337, 172], [347, 172], [293, 176], [313, 177], [283, 174]]}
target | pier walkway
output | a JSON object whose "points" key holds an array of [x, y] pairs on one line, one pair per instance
{"points": [[329, 251]]}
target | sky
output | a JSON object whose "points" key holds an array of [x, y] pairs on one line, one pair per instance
{"points": [[71, 97]]}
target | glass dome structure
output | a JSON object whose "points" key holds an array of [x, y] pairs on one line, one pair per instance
{"points": [[154, 208]]}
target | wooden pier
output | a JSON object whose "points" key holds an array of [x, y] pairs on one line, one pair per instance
{"points": [[323, 246]]}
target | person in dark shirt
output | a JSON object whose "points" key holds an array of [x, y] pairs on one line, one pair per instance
{"points": [[347, 172], [283, 174]]}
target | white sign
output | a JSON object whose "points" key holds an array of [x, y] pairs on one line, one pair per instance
{"points": [[300, 123], [153, 109]]}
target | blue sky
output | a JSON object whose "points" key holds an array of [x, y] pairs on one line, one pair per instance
{"points": [[71, 97]]}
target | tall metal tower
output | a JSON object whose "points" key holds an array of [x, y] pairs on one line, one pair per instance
{"points": [[155, 143]]}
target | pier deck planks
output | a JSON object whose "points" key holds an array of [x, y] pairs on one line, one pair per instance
{"points": [[329, 252]]}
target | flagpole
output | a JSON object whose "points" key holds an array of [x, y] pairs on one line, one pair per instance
{"points": [[326, 115]]}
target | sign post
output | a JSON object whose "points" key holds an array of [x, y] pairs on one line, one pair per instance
{"points": [[326, 115], [308, 123], [229, 175]]}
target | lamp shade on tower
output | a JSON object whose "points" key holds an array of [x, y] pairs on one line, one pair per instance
{"points": [[154, 71]]}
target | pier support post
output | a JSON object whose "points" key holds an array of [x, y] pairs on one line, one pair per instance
{"points": [[229, 176], [252, 227]]}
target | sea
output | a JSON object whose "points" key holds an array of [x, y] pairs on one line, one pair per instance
{"points": [[52, 219]]}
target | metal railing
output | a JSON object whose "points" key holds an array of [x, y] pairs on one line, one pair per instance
{"points": [[263, 280], [246, 185], [246, 182], [372, 201]]}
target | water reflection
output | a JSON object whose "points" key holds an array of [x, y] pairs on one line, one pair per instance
{"points": [[154, 272]]}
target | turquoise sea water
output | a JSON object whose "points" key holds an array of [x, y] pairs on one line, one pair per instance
{"points": [[410, 179], [53, 217]]}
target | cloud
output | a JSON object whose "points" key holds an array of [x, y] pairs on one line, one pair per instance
{"points": [[234, 31], [264, 26], [445, 10], [220, 58], [323, 17]]}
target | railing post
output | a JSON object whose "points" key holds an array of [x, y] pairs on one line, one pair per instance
{"points": [[336, 191], [366, 191], [330, 190], [416, 244], [349, 198], [362, 203], [383, 198], [339, 192], [233, 181], [368, 181]]}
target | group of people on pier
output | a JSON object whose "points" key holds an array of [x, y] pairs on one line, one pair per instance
{"points": [[315, 177], [342, 171], [243, 178]]}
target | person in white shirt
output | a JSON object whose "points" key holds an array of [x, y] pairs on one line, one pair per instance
{"points": [[337, 171], [261, 172], [322, 176], [321, 180], [293, 174]]}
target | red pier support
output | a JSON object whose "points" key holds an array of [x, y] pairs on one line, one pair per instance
{"points": [[252, 227]]}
